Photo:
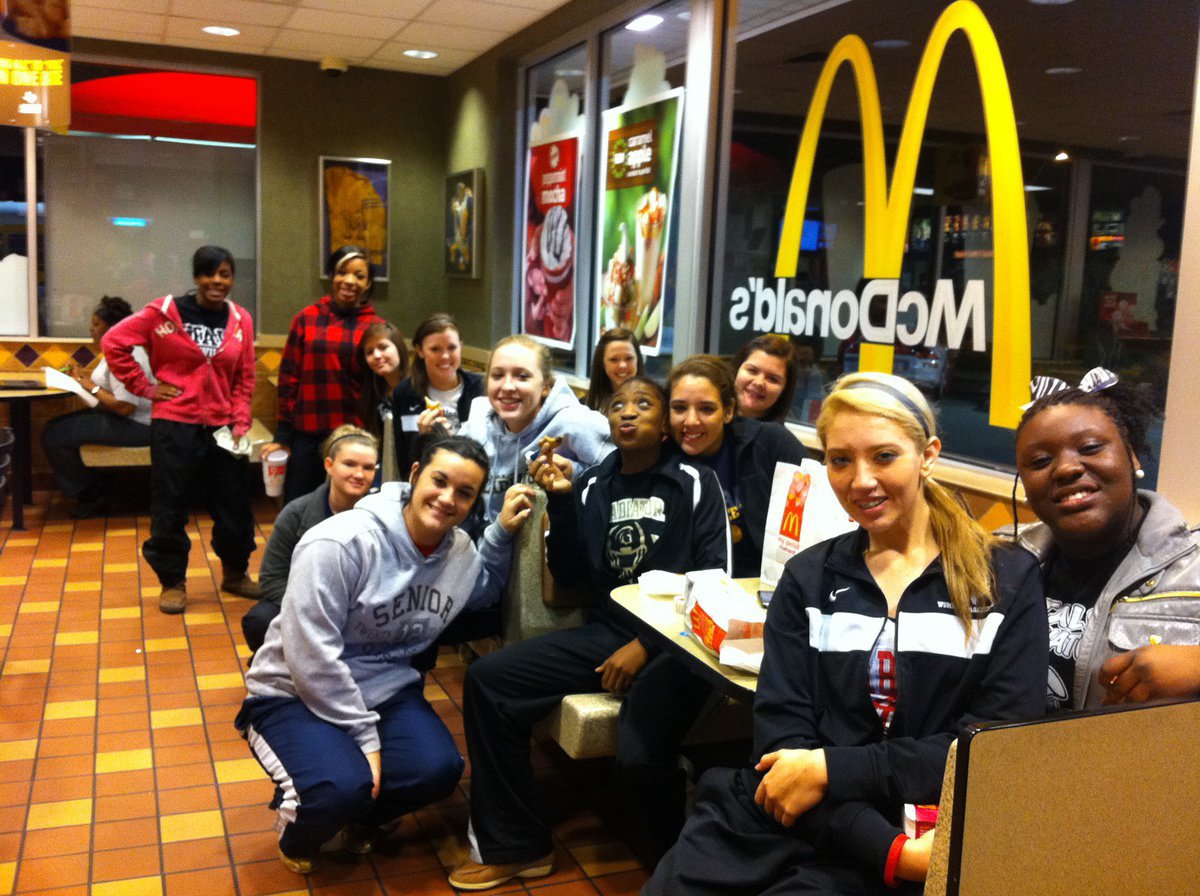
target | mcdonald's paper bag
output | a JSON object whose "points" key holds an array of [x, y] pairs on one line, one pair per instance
{"points": [[718, 608], [803, 511]]}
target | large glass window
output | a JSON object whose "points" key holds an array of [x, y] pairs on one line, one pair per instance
{"points": [[1103, 167]]}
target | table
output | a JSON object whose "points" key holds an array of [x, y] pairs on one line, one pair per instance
{"points": [[656, 617], [18, 401]]}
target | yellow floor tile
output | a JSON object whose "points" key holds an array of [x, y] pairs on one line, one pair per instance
{"points": [[157, 645], [73, 587], [433, 691], [5, 630], [8, 876], [191, 619], [58, 527], [110, 533], [124, 761], [222, 680], [230, 771], [136, 886], [604, 858], [21, 543], [13, 580], [87, 546], [120, 567], [191, 826], [11, 750], [121, 613], [202, 573], [70, 709], [26, 667], [39, 606], [122, 673], [50, 563], [71, 639], [176, 718], [59, 815]]}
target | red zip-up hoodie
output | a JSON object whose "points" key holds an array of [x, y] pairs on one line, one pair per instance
{"points": [[213, 391]]}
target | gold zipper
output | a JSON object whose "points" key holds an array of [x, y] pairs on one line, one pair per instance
{"points": [[1162, 595]]}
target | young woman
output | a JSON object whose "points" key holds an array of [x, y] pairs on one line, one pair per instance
{"points": [[320, 372], [436, 378], [351, 455], [1121, 567], [119, 418], [201, 350], [523, 404], [616, 358], [742, 452], [384, 359], [338, 719], [880, 645], [641, 508], [765, 378]]}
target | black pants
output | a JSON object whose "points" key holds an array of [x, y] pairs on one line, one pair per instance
{"points": [[63, 435], [184, 456], [506, 692], [731, 847], [306, 467]]}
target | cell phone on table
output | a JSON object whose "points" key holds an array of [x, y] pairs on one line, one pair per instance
{"points": [[764, 597]]}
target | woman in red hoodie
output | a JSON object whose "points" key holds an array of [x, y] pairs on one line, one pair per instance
{"points": [[201, 350]]}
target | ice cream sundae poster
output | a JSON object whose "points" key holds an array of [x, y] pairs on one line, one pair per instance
{"points": [[548, 293], [641, 146]]}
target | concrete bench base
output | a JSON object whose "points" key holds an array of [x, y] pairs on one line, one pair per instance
{"points": [[114, 456]]}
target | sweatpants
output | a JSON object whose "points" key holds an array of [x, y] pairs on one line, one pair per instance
{"points": [[507, 692], [323, 774], [184, 456], [63, 435], [731, 847]]}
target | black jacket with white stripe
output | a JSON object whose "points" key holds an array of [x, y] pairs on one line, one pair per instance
{"points": [[813, 690]]}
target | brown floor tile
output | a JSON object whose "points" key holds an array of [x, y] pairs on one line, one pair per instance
{"points": [[626, 883], [130, 721], [130, 862], [249, 819], [68, 727], [189, 855], [187, 799], [192, 883], [117, 783], [261, 878], [79, 745], [122, 740], [57, 842], [76, 787], [355, 888], [197, 773], [59, 871], [125, 806], [131, 832]]}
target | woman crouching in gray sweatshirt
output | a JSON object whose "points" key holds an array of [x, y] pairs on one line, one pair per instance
{"points": [[336, 713]]}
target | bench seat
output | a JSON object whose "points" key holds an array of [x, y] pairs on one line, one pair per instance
{"points": [[116, 456]]}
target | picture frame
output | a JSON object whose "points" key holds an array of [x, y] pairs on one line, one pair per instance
{"points": [[463, 207], [354, 208]]}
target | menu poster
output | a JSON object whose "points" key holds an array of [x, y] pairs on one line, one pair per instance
{"points": [[35, 64], [641, 147], [548, 290]]}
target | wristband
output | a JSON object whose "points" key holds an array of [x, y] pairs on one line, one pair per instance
{"points": [[893, 860]]}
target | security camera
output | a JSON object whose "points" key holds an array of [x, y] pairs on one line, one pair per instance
{"points": [[333, 65]]}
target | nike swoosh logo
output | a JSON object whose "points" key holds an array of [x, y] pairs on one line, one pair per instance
{"points": [[833, 595]]}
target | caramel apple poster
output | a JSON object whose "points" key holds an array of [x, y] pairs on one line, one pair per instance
{"points": [[548, 301], [641, 146]]}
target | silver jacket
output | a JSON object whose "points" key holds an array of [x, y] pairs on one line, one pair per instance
{"points": [[1154, 592]]}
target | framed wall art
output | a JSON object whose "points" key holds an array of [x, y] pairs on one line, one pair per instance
{"points": [[354, 208], [463, 208]]}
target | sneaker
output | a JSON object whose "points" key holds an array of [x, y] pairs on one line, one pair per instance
{"points": [[359, 838], [241, 585], [474, 876], [173, 598], [297, 866]]}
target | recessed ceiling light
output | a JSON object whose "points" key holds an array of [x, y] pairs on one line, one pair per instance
{"points": [[684, 14], [1062, 157], [645, 22], [1049, 2], [1129, 138], [221, 31], [420, 54], [891, 43], [1064, 70]]}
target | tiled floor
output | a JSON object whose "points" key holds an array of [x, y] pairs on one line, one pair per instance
{"points": [[121, 773]]}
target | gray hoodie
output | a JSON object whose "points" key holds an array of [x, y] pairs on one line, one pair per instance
{"points": [[586, 440], [362, 601]]}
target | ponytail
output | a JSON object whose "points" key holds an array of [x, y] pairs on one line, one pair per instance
{"points": [[966, 553]]}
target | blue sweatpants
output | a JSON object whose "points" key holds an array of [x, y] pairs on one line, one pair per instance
{"points": [[324, 777]]}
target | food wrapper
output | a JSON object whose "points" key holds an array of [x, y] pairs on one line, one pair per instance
{"points": [[919, 819], [718, 608], [239, 447], [745, 654], [659, 582]]}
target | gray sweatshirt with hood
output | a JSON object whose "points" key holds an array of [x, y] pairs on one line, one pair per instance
{"points": [[585, 434], [362, 601]]}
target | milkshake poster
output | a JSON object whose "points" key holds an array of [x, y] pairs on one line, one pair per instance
{"points": [[641, 146], [548, 294]]}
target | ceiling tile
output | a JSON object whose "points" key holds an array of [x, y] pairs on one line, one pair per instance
{"points": [[435, 36], [84, 19], [220, 44], [390, 9], [390, 54], [232, 12], [312, 45], [498, 16], [328, 22], [192, 29], [150, 6]]}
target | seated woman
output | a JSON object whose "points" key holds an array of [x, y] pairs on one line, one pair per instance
{"points": [[742, 452], [351, 455], [339, 719], [764, 376], [119, 418], [1121, 568], [437, 393], [641, 508], [615, 359], [881, 645], [384, 359], [523, 403]]}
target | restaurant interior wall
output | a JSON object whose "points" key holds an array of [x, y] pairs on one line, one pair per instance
{"points": [[304, 114]]}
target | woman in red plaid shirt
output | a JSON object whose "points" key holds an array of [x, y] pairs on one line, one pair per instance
{"points": [[320, 373]]}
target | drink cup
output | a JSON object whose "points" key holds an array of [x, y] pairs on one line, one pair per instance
{"points": [[274, 467]]}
